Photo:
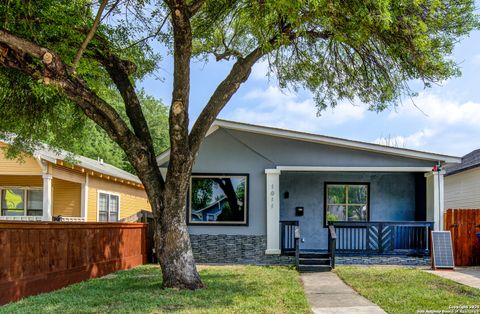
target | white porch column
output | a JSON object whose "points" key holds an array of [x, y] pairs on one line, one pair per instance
{"points": [[47, 197], [84, 200], [435, 198], [273, 211]]}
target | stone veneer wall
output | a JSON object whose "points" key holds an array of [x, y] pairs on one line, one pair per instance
{"points": [[250, 249], [241, 249]]}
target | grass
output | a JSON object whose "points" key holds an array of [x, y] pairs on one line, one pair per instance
{"points": [[407, 290], [229, 289]]}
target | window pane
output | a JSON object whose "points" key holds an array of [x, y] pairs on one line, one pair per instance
{"points": [[336, 213], [336, 194], [113, 217], [13, 202], [102, 216], [357, 194], [357, 213], [102, 202], [113, 205], [34, 202]]}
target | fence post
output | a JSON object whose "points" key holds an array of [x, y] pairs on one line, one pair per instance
{"points": [[380, 238]]}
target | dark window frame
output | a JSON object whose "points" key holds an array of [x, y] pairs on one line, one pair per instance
{"points": [[326, 184], [247, 202]]}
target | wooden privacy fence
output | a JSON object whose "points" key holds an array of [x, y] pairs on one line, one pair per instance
{"points": [[464, 224], [38, 257]]}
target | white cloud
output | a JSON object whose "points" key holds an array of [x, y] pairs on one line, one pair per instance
{"points": [[415, 140], [439, 110], [445, 125], [442, 125], [476, 60], [274, 107], [260, 70]]}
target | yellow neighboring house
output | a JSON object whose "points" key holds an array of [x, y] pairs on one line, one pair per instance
{"points": [[45, 185]]}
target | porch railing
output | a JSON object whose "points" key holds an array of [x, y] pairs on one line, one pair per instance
{"points": [[386, 237], [287, 228], [332, 244], [21, 218]]}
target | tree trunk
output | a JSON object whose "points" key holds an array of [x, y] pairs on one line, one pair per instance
{"points": [[173, 240]]}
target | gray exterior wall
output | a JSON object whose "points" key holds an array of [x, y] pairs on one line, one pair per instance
{"points": [[392, 197], [229, 151]]}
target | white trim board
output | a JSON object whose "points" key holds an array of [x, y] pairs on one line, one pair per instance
{"points": [[98, 203], [321, 139], [353, 169]]}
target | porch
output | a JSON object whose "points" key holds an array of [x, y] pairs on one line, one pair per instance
{"points": [[391, 210], [43, 197]]}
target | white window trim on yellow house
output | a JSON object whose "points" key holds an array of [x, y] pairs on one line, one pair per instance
{"points": [[51, 166], [108, 206], [25, 198]]}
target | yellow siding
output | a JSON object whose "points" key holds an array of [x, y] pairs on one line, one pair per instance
{"points": [[66, 198], [67, 174], [10, 180], [27, 166], [132, 199]]}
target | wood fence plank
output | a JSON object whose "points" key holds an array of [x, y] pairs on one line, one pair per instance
{"points": [[40, 257], [463, 225]]}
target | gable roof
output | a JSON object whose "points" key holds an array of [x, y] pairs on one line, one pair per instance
{"points": [[53, 156], [469, 161], [321, 139], [85, 162]]}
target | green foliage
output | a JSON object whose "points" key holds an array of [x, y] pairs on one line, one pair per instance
{"points": [[201, 192], [331, 217], [342, 50], [39, 113], [404, 290]]}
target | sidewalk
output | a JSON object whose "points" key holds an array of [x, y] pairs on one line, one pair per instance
{"points": [[327, 294], [469, 276]]}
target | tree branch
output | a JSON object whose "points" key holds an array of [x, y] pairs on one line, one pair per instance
{"points": [[195, 6], [155, 34], [90, 34], [119, 71], [22, 55], [238, 74], [178, 117]]}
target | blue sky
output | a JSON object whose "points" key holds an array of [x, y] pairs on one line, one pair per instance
{"points": [[450, 122]]}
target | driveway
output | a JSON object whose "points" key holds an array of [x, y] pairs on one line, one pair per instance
{"points": [[328, 294], [469, 276]]}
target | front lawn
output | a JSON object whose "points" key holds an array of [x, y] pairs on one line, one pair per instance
{"points": [[230, 289], [406, 290]]}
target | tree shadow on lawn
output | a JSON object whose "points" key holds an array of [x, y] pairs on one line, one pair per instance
{"points": [[139, 291]]}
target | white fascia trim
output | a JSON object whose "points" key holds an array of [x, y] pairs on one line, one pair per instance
{"points": [[336, 141], [354, 169], [163, 157], [273, 171]]}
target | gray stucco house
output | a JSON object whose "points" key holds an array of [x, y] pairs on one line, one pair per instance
{"points": [[253, 185]]}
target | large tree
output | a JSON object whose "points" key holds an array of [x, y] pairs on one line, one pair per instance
{"points": [[62, 51]]}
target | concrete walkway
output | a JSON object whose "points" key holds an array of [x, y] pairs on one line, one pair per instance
{"points": [[328, 294], [469, 276]]}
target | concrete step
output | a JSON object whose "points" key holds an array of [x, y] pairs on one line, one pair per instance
{"points": [[314, 255], [313, 268], [314, 261]]}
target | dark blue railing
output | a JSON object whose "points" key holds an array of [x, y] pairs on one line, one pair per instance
{"points": [[383, 237], [287, 228]]}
